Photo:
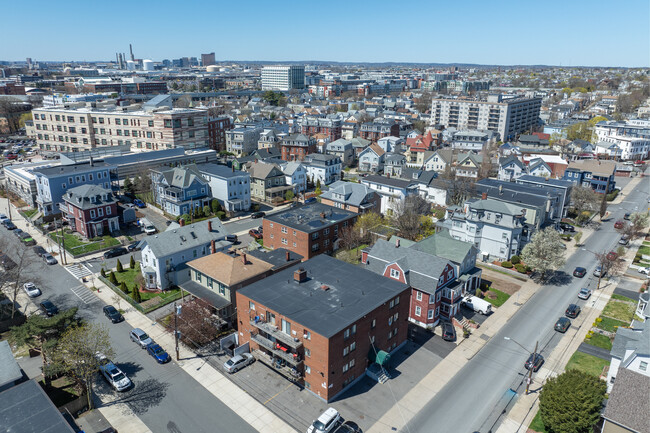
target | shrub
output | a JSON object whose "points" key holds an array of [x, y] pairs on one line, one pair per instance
{"points": [[123, 287], [528, 269], [132, 263], [520, 268], [221, 215], [515, 260], [506, 265], [185, 217], [600, 319], [119, 267], [206, 210], [103, 272], [216, 207], [112, 278], [135, 294]]}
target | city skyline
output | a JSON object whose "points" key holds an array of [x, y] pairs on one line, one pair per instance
{"points": [[455, 34]]}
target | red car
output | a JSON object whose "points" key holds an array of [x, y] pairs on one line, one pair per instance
{"points": [[618, 224], [255, 234], [612, 256]]}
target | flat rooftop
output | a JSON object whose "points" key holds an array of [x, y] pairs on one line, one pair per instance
{"points": [[311, 217]]}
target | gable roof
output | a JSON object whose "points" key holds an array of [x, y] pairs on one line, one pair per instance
{"points": [[182, 177], [595, 166], [261, 170], [353, 193], [628, 403], [183, 238], [80, 196], [510, 159], [229, 268], [443, 245]]}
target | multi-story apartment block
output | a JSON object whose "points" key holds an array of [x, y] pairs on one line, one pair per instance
{"points": [[217, 127], [311, 125], [269, 139], [69, 129], [283, 78], [324, 318], [343, 149], [53, 182], [296, 147], [207, 59], [380, 128], [508, 117], [232, 188], [307, 230], [91, 210], [127, 85], [632, 137], [323, 168], [243, 140]]}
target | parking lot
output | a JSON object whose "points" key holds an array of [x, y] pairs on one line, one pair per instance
{"points": [[363, 404]]}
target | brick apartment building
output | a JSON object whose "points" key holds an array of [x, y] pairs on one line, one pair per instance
{"points": [[297, 146], [307, 230], [91, 210], [325, 320], [311, 125], [380, 128], [217, 127]]}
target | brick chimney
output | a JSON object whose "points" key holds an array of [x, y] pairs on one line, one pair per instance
{"points": [[288, 256], [243, 258], [300, 275], [213, 247], [484, 196], [209, 226], [396, 242], [181, 222]]}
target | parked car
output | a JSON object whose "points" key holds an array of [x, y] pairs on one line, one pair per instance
{"points": [[619, 224], [612, 256], [115, 252], [255, 234], [579, 272], [624, 240], [627, 216], [476, 304], [598, 272], [112, 314], [28, 240], [562, 324], [448, 332], [584, 293], [158, 353], [18, 232], [139, 203], [133, 246], [3, 217], [31, 290], [115, 377], [9, 225], [139, 336], [256, 215], [48, 308], [231, 238], [39, 250], [49, 259], [238, 362], [572, 311], [327, 422], [644, 271], [539, 360], [567, 227], [310, 200]]}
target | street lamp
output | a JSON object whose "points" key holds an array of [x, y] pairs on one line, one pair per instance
{"points": [[531, 367]]}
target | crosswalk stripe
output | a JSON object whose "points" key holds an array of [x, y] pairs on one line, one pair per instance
{"points": [[78, 270], [84, 294]]}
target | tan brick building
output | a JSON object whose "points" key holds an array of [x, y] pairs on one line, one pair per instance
{"points": [[308, 230], [323, 322]]}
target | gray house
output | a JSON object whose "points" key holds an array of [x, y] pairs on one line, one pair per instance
{"points": [[181, 189], [343, 149]]}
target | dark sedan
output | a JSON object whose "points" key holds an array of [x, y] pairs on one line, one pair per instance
{"points": [[9, 225], [256, 215], [448, 332], [579, 272], [572, 311], [539, 360], [48, 308], [133, 246], [39, 250], [112, 314], [562, 324], [115, 252]]}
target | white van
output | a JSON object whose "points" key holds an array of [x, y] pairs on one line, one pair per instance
{"points": [[148, 226], [477, 304]]}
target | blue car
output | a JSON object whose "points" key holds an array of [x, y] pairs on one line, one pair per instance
{"points": [[139, 203], [158, 353]]}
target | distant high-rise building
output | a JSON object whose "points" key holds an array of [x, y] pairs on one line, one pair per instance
{"points": [[283, 78], [131, 50], [208, 59]]}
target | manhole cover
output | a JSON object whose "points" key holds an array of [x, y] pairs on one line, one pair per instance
{"points": [[485, 337]]}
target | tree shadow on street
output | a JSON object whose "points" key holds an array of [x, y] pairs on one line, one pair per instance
{"points": [[144, 395], [557, 278]]}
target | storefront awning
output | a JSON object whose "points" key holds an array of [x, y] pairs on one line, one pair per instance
{"points": [[382, 358]]}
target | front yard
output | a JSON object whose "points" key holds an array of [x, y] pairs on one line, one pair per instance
{"points": [[587, 363], [608, 324], [496, 297], [148, 300], [77, 246], [599, 340]]}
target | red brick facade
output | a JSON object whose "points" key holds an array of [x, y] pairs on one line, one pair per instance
{"points": [[331, 364], [296, 153], [89, 223], [334, 133], [217, 128]]}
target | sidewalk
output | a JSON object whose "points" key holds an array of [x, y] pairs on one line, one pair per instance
{"points": [[249, 409]]}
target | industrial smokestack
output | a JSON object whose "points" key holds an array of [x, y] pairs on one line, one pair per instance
{"points": [[131, 50]]}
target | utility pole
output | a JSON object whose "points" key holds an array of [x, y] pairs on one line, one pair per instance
{"points": [[177, 312], [530, 370], [8, 201]]}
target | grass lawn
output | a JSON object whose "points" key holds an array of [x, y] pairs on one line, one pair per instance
{"points": [[609, 324], [644, 251], [623, 298], [29, 212], [76, 246], [623, 311], [164, 295], [61, 391], [599, 340], [128, 276], [586, 363], [501, 297], [536, 424]]}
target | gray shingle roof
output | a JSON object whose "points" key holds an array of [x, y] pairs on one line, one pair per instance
{"points": [[353, 193], [80, 196], [219, 170], [390, 181], [182, 238], [182, 177], [443, 245], [352, 293], [10, 371], [629, 401]]}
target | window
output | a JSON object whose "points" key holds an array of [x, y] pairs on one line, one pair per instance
{"points": [[394, 273], [373, 323], [117, 122], [353, 346], [352, 363], [438, 296], [284, 241], [326, 231], [168, 123], [315, 247], [418, 296], [346, 350], [286, 327], [314, 235], [100, 212], [307, 369], [430, 315], [418, 311], [150, 123], [345, 367], [307, 353], [354, 329], [397, 301], [92, 213], [346, 334], [643, 366], [284, 230], [392, 303], [251, 305], [307, 335]]}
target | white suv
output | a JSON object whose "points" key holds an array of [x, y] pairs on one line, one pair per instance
{"points": [[115, 377], [327, 422]]}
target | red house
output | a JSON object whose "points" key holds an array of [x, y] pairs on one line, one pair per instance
{"points": [[296, 146], [91, 210]]}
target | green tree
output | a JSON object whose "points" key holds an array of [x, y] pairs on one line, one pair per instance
{"points": [[577, 238], [603, 207], [119, 266], [135, 294], [580, 130], [112, 278], [289, 195], [206, 210], [128, 186], [216, 207], [123, 287], [132, 263], [571, 402], [318, 184], [368, 222], [103, 272], [76, 352], [544, 252]]}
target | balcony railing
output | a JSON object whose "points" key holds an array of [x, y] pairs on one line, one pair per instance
{"points": [[274, 332], [292, 358]]}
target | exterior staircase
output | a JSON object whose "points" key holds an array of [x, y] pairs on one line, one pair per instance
{"points": [[376, 372]]}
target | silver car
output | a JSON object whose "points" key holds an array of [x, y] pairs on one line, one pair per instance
{"points": [[31, 290], [238, 362], [49, 259], [140, 337], [115, 377]]}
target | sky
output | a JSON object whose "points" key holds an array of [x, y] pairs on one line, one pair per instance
{"points": [[506, 32]]}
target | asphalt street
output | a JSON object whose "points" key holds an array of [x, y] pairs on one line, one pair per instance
{"points": [[164, 397], [488, 384]]}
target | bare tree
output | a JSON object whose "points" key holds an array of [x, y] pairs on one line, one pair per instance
{"points": [[610, 263], [197, 325], [584, 199], [408, 214], [350, 237], [15, 273], [459, 189]]}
